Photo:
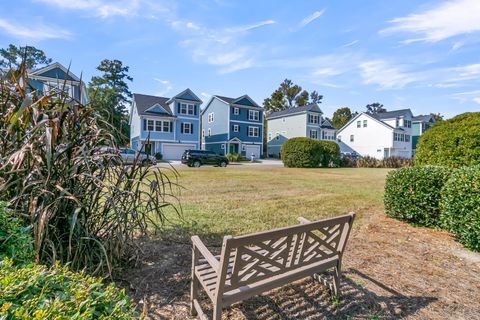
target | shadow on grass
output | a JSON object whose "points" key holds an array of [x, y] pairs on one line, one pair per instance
{"points": [[160, 284]]}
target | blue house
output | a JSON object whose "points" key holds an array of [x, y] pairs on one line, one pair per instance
{"points": [[165, 125], [233, 125], [55, 77]]}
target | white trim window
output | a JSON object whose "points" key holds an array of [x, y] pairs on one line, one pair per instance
{"points": [[269, 136], [236, 111], [253, 115], [187, 128], [203, 133], [253, 131], [313, 118], [364, 123], [186, 108], [235, 128], [359, 124], [211, 117], [222, 146], [313, 134], [150, 125], [352, 138], [167, 126], [209, 132]]}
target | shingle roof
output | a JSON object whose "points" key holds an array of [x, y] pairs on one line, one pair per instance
{"points": [[312, 107], [226, 99], [143, 102], [391, 114]]}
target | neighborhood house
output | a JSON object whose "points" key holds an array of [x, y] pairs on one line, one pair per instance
{"points": [[165, 125]]}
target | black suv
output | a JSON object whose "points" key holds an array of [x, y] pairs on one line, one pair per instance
{"points": [[196, 158]]}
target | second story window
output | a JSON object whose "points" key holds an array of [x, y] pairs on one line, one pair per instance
{"points": [[253, 115], [364, 123], [210, 117], [352, 138], [209, 132], [186, 128], [235, 128], [203, 133], [313, 118], [186, 108], [397, 123], [236, 111], [407, 138], [253, 131], [150, 125], [359, 124], [314, 134]]}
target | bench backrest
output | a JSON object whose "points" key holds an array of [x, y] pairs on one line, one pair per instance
{"points": [[259, 256]]}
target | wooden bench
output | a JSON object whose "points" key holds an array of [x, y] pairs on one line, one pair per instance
{"points": [[252, 264]]}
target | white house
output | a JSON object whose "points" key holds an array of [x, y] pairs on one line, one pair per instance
{"points": [[304, 121], [380, 135]]}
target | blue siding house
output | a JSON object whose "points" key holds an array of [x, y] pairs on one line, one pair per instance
{"points": [[55, 77], [166, 125], [232, 125]]}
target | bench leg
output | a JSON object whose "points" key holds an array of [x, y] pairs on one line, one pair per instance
{"points": [[217, 312], [193, 295], [337, 273]]}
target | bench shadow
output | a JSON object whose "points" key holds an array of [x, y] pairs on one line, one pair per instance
{"points": [[160, 285]]}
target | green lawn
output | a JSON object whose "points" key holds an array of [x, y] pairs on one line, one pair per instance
{"points": [[244, 199]]}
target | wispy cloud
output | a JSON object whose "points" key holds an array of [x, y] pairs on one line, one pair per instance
{"points": [[468, 96], [350, 43], [33, 31], [167, 86], [449, 19], [252, 26], [386, 75], [310, 18], [100, 8]]}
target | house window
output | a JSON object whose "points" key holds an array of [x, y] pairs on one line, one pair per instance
{"points": [[364, 123], [314, 134], [269, 136], [352, 138], [253, 131], [283, 119], [209, 132], [397, 122], [339, 138], [210, 117], [186, 128], [323, 134], [313, 118], [186, 108], [408, 123], [407, 138], [359, 124], [235, 128], [150, 125], [158, 126], [253, 115], [243, 148], [222, 146], [167, 126], [277, 135], [236, 111], [203, 133]]}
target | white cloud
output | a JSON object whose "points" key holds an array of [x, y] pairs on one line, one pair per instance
{"points": [[449, 19], [252, 26], [387, 76], [100, 8], [32, 31], [310, 18], [350, 43], [167, 87], [468, 96]]}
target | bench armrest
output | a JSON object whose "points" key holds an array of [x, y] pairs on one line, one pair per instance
{"points": [[212, 261], [302, 220]]}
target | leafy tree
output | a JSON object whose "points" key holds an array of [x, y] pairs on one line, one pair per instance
{"points": [[13, 56], [289, 95], [376, 107], [437, 116], [111, 96], [341, 117]]}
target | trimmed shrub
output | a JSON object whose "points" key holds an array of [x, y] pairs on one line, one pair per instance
{"points": [[301, 153], [234, 157], [452, 143], [330, 153], [390, 162], [38, 292], [413, 194], [368, 162], [16, 240], [460, 206]]}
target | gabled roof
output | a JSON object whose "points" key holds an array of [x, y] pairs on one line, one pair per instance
{"points": [[40, 71], [392, 114], [327, 125], [424, 118], [144, 104], [311, 107], [186, 94], [242, 101], [371, 117]]}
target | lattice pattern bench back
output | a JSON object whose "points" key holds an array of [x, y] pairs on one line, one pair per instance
{"points": [[257, 257]]}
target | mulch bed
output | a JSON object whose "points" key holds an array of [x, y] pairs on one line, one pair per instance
{"points": [[391, 270]]}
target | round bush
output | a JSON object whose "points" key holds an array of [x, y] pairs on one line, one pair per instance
{"points": [[16, 240], [38, 292], [330, 154], [460, 205], [301, 153], [413, 194], [452, 143]]}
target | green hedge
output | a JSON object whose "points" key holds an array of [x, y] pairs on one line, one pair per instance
{"points": [[330, 153], [15, 239], [234, 157], [301, 153], [413, 194], [453, 143], [460, 206], [38, 292]]}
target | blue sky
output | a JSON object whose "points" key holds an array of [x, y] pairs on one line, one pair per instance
{"points": [[424, 55]]}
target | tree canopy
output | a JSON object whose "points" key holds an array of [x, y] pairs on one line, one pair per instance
{"points": [[290, 95], [13, 56], [341, 117], [375, 107], [111, 96]]}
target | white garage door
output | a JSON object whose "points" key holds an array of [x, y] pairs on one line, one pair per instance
{"points": [[255, 150], [175, 151]]}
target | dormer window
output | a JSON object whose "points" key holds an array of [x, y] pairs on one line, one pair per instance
{"points": [[313, 118], [186, 108], [397, 123], [253, 115]]}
